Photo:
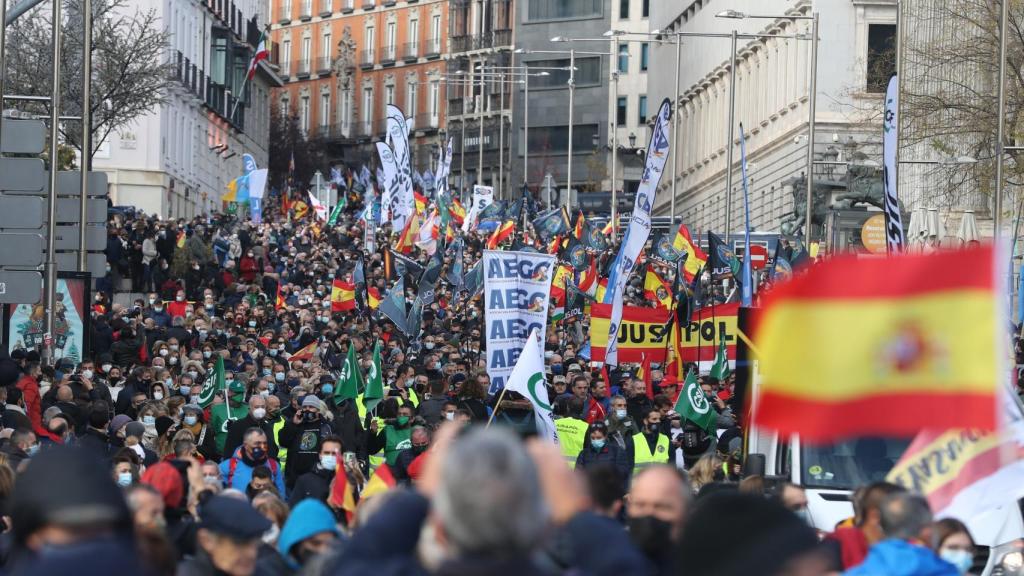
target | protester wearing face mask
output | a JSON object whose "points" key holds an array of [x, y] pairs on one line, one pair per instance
{"points": [[301, 436], [600, 451], [237, 470], [256, 418], [233, 408], [310, 531], [193, 420], [650, 446], [954, 544], [395, 436], [658, 499], [316, 483], [21, 446], [420, 439], [125, 471]]}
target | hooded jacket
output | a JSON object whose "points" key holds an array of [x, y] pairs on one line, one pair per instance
{"points": [[901, 558], [308, 518], [239, 469]]}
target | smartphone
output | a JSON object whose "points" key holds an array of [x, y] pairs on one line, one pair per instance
{"points": [[349, 457]]}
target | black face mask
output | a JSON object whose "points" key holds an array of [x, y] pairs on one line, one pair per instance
{"points": [[651, 535]]}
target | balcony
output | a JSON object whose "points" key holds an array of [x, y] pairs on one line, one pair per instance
{"points": [[455, 107], [306, 10], [502, 38], [286, 70], [459, 43], [302, 69], [284, 14], [389, 3], [432, 48], [323, 65], [411, 51], [388, 58], [347, 6], [425, 122], [367, 59], [369, 4], [326, 8]]}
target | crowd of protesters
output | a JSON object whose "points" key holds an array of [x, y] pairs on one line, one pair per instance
{"points": [[116, 465]]}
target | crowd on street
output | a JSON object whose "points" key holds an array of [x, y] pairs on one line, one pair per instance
{"points": [[204, 432]]}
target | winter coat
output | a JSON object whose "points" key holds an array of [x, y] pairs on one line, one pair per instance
{"points": [[237, 472], [901, 558]]}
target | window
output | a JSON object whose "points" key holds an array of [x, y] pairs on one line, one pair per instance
{"points": [[367, 110], [410, 100], [620, 111], [643, 57], [286, 109], [346, 110], [588, 73], [325, 109], [435, 34], [435, 102], [624, 9], [623, 58], [304, 113], [389, 40], [642, 111], [564, 9], [556, 138], [307, 44], [389, 94], [646, 10], [881, 59], [414, 31], [369, 38], [286, 58], [325, 46]]}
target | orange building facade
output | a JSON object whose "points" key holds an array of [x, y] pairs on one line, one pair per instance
{"points": [[343, 61]]}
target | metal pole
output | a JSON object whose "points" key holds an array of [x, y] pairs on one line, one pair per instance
{"points": [[501, 138], [51, 197], [572, 103], [3, 67], [675, 127], [812, 102], [526, 127], [615, 130], [997, 218], [462, 154], [86, 131], [480, 159], [729, 145]]}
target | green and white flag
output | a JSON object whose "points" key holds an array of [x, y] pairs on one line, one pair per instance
{"points": [[694, 406], [374, 382], [214, 383], [350, 380], [527, 378], [720, 369], [337, 210]]}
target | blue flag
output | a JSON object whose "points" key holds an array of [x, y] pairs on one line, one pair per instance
{"points": [[746, 282]]}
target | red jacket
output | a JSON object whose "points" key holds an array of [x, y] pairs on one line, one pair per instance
{"points": [[249, 268], [594, 412], [853, 545], [30, 394], [176, 308]]}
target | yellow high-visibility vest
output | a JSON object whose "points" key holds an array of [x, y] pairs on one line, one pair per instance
{"points": [[642, 456], [282, 452], [572, 434]]}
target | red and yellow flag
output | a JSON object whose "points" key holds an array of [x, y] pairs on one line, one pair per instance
{"points": [[381, 481], [456, 211], [343, 296], [279, 301], [342, 496], [563, 274], [882, 347], [577, 229], [421, 202], [657, 288], [181, 239], [304, 354], [695, 259], [373, 300], [407, 239], [502, 233]]}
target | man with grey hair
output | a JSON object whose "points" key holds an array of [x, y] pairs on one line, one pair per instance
{"points": [[256, 418], [906, 522], [489, 500]]}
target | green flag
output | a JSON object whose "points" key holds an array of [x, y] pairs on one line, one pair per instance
{"points": [[694, 406], [720, 369], [214, 383], [350, 380], [374, 382], [336, 212]]}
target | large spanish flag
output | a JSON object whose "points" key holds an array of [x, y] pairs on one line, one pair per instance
{"points": [[502, 233], [886, 347], [657, 289], [343, 296], [373, 299], [695, 257]]}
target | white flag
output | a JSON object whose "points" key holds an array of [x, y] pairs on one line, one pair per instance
{"points": [[527, 378]]}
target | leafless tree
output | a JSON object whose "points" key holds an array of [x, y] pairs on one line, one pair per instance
{"points": [[131, 68]]}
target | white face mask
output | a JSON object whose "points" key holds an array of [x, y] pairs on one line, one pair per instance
{"points": [[259, 413], [158, 395], [87, 374], [106, 367]]}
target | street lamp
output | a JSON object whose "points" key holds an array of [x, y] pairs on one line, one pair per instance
{"points": [[572, 97], [632, 140]]}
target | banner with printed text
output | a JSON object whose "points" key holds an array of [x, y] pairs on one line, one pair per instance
{"points": [[517, 286], [642, 333]]}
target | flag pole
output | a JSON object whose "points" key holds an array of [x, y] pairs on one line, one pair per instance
{"points": [[245, 81], [496, 405]]}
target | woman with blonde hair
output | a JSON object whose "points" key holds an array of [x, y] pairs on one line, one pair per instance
{"points": [[704, 471]]}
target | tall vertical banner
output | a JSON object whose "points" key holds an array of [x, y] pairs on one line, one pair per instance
{"points": [[390, 197], [746, 280], [639, 226], [483, 196], [398, 134], [517, 287], [890, 141]]}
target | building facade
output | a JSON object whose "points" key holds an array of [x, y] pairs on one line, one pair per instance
{"points": [[344, 61], [176, 161], [772, 103], [628, 106], [539, 21]]}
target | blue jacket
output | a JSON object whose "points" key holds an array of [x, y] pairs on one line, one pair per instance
{"points": [[309, 518], [242, 473], [901, 558]]}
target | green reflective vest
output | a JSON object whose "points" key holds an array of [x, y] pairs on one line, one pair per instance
{"points": [[572, 434]]}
